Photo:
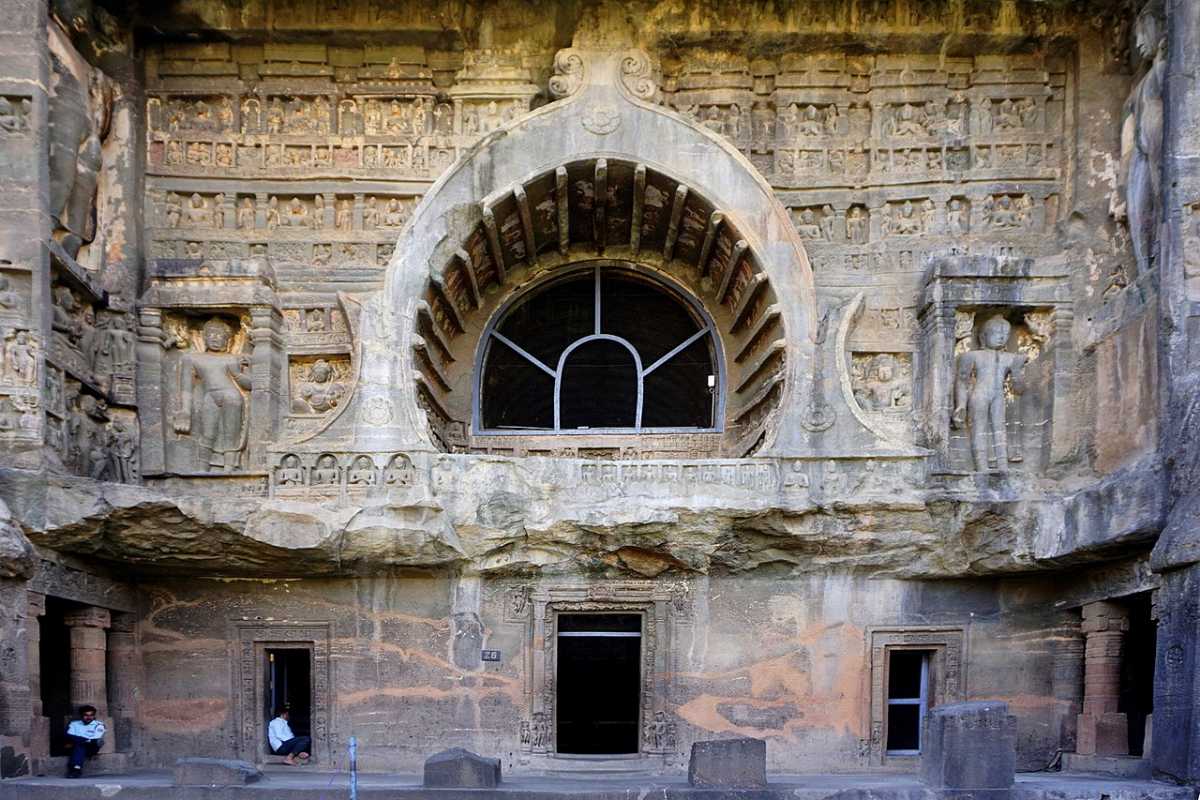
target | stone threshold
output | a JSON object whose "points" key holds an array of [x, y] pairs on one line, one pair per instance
{"points": [[308, 784]]}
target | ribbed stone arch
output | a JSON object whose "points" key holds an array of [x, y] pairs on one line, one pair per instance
{"points": [[603, 122]]}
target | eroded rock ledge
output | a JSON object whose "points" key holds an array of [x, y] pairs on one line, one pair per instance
{"points": [[504, 516]]}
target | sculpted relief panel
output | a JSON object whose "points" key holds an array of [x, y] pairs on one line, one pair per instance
{"points": [[311, 160], [208, 389]]}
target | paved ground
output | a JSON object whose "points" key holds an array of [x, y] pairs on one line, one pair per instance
{"points": [[305, 784]]}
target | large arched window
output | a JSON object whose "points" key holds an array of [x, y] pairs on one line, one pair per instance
{"points": [[600, 349]]}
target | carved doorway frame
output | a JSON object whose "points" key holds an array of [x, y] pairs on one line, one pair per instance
{"points": [[249, 681], [656, 605]]}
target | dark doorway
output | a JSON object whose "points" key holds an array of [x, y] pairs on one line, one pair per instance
{"points": [[289, 685], [55, 664], [599, 683], [1137, 670]]}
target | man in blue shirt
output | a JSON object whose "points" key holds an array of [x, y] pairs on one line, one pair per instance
{"points": [[284, 742], [85, 736]]}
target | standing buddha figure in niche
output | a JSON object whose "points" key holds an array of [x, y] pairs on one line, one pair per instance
{"points": [[212, 399], [1139, 179], [979, 396]]}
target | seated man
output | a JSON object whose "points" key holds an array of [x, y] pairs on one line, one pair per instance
{"points": [[85, 736], [284, 742]]}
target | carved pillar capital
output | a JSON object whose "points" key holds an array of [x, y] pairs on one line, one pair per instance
{"points": [[1104, 616], [36, 604], [90, 617]]}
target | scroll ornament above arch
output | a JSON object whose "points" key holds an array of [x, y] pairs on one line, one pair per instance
{"points": [[455, 256]]}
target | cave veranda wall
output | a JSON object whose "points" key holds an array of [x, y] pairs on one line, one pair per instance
{"points": [[784, 658]]}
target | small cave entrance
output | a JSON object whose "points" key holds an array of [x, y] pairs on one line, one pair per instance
{"points": [[54, 663], [1137, 670], [289, 685], [599, 683]]}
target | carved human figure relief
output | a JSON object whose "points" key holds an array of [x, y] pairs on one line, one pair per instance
{"points": [[290, 472], [362, 472], [319, 391], [326, 472], [75, 169], [20, 357], [245, 214], [857, 225], [882, 382], [212, 401], [958, 217], [1139, 178], [980, 402], [399, 472]]}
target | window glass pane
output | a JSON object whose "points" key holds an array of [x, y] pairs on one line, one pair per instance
{"points": [[648, 316], [600, 380], [547, 321], [677, 393], [903, 731], [599, 387], [904, 673], [514, 393]]}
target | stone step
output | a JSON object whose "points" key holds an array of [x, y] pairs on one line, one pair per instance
{"points": [[102, 764], [584, 767], [1116, 766]]}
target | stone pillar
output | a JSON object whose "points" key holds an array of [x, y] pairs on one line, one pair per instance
{"points": [[269, 367], [89, 657], [39, 726], [124, 679], [934, 389], [14, 680], [1176, 741], [1067, 684], [1101, 729]]}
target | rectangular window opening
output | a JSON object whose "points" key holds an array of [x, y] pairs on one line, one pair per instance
{"points": [[907, 700]]}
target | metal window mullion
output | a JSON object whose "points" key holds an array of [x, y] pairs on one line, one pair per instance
{"points": [[596, 304], [522, 352], [676, 351]]}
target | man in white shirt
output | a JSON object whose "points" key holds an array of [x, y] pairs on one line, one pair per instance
{"points": [[284, 742], [85, 736]]}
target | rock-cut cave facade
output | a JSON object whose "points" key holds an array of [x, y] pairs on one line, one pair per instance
{"points": [[836, 360]]}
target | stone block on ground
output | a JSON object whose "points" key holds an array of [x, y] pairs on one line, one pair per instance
{"points": [[733, 763], [1132, 767], [971, 747], [1102, 734], [457, 768], [215, 772]]}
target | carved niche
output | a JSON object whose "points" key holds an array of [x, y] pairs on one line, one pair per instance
{"points": [[208, 394], [994, 366]]}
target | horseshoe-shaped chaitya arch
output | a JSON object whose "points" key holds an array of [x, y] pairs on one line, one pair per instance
{"points": [[600, 177]]}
